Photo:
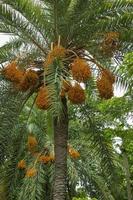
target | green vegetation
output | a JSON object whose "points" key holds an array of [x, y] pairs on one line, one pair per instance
{"points": [[57, 139]]}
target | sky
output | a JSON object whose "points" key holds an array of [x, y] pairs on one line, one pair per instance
{"points": [[3, 39]]}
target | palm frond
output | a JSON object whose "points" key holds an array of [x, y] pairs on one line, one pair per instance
{"points": [[36, 14], [9, 50], [94, 131], [95, 183], [22, 27], [33, 188], [53, 82], [11, 103]]}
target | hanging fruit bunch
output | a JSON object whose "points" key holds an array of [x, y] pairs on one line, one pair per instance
{"points": [[32, 143], [105, 84], [31, 172], [81, 71], [22, 80], [110, 43], [44, 157], [69, 66], [43, 100], [29, 79], [12, 73], [73, 153], [76, 94], [21, 164], [56, 52]]}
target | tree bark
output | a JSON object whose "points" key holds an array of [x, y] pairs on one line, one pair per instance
{"points": [[60, 140]]}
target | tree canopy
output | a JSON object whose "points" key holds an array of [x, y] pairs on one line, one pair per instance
{"points": [[59, 118]]}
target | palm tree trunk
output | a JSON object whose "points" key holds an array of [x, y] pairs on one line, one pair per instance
{"points": [[60, 139]]}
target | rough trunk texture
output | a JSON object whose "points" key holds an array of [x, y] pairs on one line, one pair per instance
{"points": [[60, 138]]}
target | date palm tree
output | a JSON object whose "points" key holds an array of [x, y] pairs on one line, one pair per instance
{"points": [[49, 36]]}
